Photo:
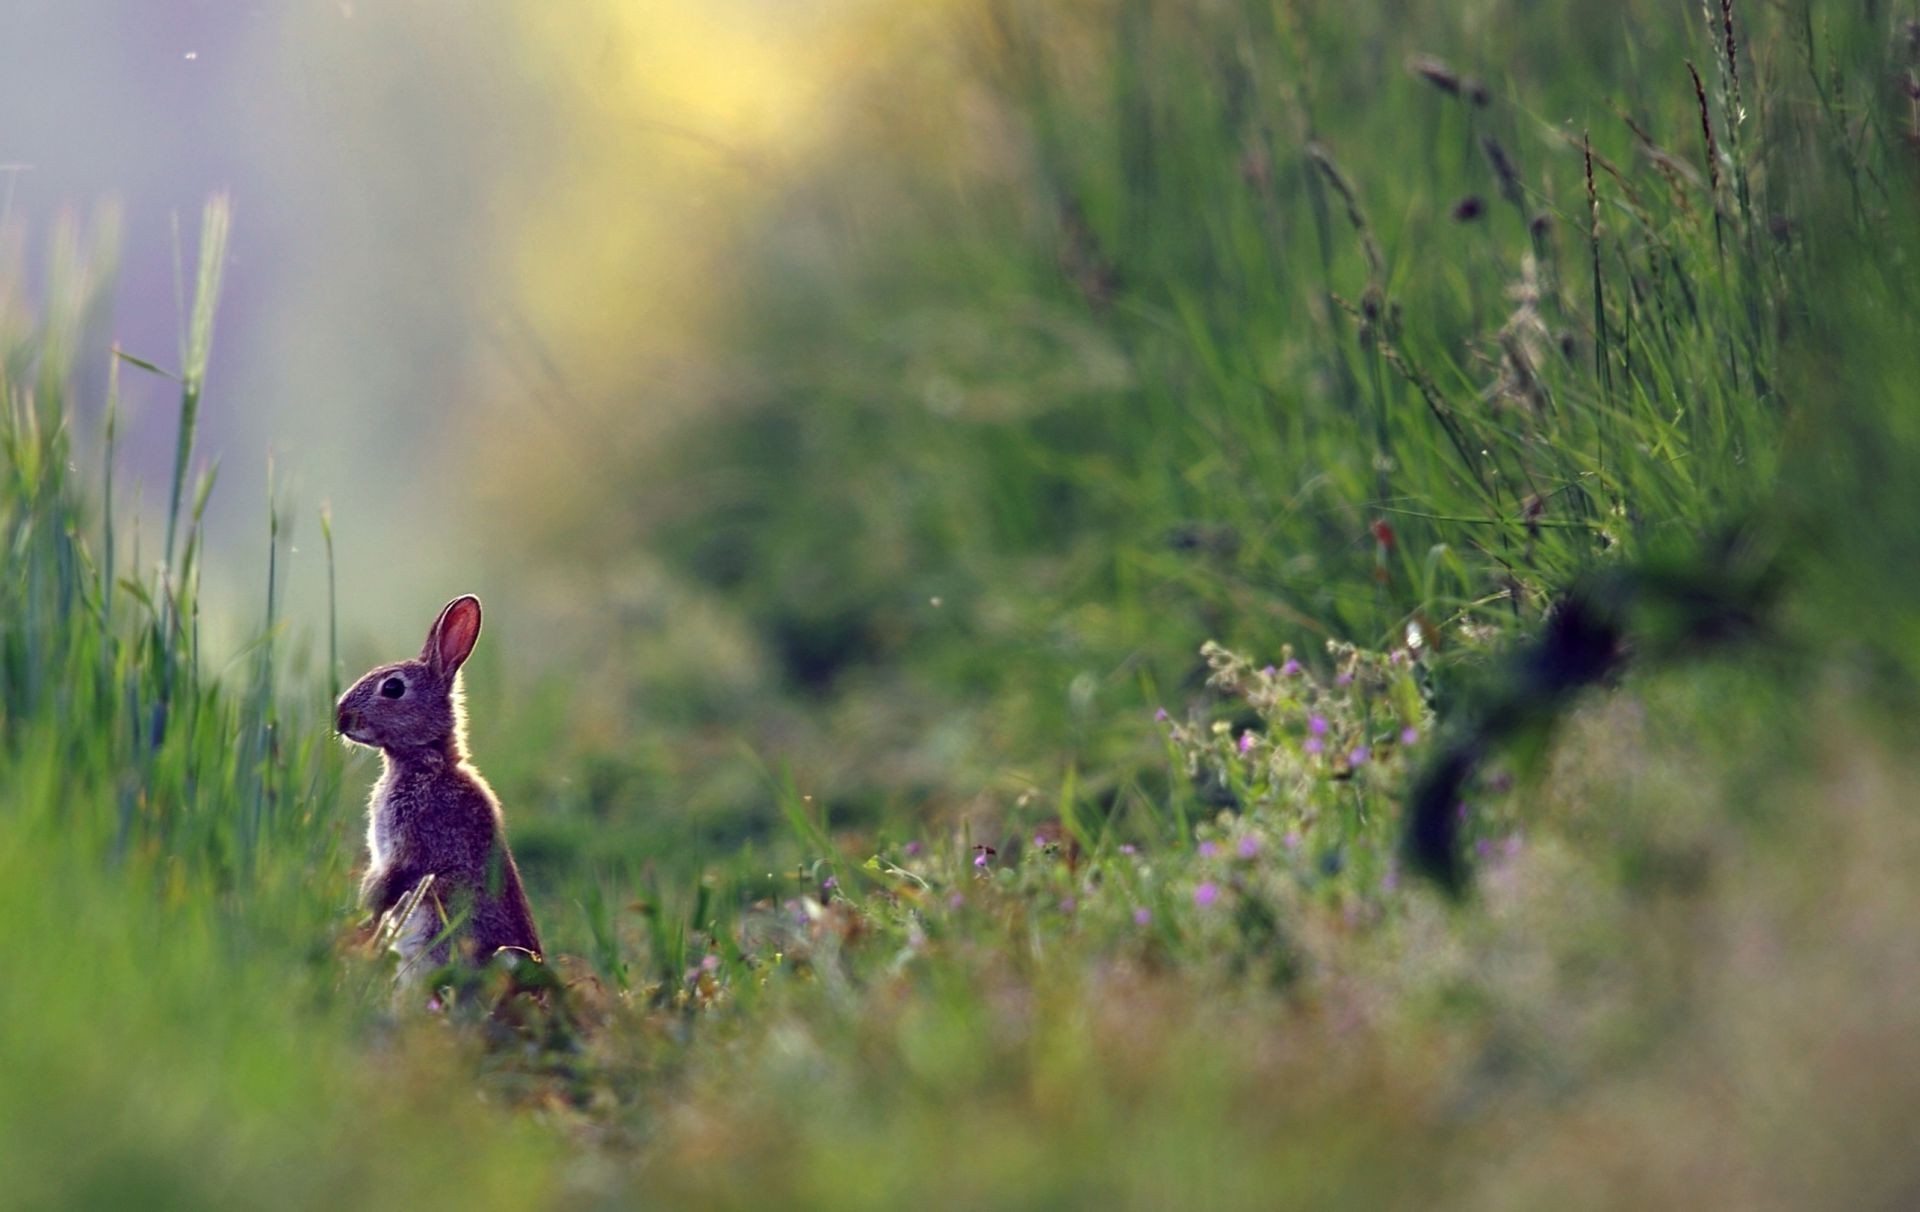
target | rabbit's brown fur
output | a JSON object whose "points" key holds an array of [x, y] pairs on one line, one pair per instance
{"points": [[431, 814]]}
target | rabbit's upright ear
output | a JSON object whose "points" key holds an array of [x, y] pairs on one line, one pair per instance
{"points": [[453, 636]]}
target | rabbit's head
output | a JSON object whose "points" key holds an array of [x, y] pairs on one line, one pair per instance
{"points": [[415, 704]]}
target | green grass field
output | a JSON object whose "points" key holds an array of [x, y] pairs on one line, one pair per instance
{"points": [[1098, 724]]}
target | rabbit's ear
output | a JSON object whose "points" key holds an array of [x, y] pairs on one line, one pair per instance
{"points": [[453, 636]]}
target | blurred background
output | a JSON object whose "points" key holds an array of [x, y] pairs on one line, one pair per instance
{"points": [[902, 393], [481, 270], [466, 233], [659, 326]]}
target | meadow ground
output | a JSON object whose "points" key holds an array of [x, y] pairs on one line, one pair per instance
{"points": [[1308, 607]]}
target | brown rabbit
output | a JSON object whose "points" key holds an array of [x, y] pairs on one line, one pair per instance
{"points": [[437, 846]]}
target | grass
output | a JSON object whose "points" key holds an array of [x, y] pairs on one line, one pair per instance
{"points": [[1230, 326], [1239, 462]]}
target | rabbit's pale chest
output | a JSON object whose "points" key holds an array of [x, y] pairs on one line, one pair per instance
{"points": [[388, 810], [379, 824]]}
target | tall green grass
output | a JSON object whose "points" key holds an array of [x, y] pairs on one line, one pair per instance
{"points": [[182, 1028], [1198, 338], [1275, 324], [1266, 323]]}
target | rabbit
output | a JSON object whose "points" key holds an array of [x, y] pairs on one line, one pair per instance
{"points": [[440, 879]]}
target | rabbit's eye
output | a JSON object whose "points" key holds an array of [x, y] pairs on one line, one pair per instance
{"points": [[393, 688]]}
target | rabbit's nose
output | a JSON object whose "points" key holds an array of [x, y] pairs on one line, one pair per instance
{"points": [[346, 721]]}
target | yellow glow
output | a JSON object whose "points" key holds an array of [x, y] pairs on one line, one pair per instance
{"points": [[679, 118]]}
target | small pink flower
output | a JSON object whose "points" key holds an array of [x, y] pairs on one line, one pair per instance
{"points": [[980, 861], [1359, 756], [1246, 740], [1345, 679], [1161, 715], [1291, 669], [1068, 904], [1269, 671], [1206, 894], [710, 963], [912, 848], [1317, 725], [956, 900], [1128, 848], [1292, 840], [1249, 846], [1208, 850], [1409, 735], [1314, 745], [1142, 916]]}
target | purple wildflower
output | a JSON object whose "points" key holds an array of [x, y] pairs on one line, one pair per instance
{"points": [[1161, 715], [1396, 656], [1409, 735], [1249, 846], [912, 848], [1068, 904], [1128, 848], [1291, 669], [1206, 894], [1314, 745], [1142, 916], [1345, 679], [829, 884], [1246, 740], [710, 963], [980, 860], [1317, 725], [1208, 850], [1292, 840], [1269, 671], [956, 900], [1359, 756]]}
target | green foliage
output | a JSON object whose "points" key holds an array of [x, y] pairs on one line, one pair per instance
{"points": [[1248, 331], [1259, 323], [181, 1031]]}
